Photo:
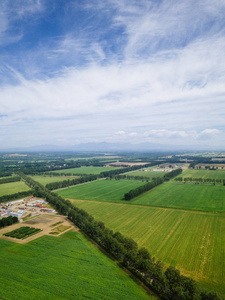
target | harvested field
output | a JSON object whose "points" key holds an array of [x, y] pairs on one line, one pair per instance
{"points": [[59, 229]]}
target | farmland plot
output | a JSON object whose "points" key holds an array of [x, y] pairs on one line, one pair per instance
{"points": [[102, 190], [13, 187], [148, 174], [49, 179], [213, 174], [194, 242], [185, 196], [85, 170], [62, 267]]}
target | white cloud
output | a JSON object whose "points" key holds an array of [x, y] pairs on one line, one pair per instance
{"points": [[121, 132], [166, 82]]}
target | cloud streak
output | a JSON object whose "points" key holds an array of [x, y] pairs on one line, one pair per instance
{"points": [[154, 72]]}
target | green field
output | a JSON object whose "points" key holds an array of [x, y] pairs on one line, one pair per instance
{"points": [[49, 179], [213, 174], [85, 170], [149, 174], [194, 242], [65, 267], [102, 190], [13, 187], [185, 196]]}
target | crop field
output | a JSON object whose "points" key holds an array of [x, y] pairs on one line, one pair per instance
{"points": [[22, 232], [102, 190], [185, 196], [213, 174], [13, 187], [62, 267], [49, 179], [194, 242], [149, 174], [85, 170]]}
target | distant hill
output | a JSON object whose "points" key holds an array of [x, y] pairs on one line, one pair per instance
{"points": [[103, 147]]}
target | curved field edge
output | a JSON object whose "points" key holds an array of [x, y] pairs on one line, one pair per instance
{"points": [[63, 267], [191, 241]]}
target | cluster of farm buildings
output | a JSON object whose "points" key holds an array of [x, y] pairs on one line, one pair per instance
{"points": [[22, 208]]}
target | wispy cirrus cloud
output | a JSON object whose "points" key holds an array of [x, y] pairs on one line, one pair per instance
{"points": [[154, 71]]}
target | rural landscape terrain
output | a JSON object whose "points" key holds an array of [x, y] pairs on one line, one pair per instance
{"points": [[151, 226]]}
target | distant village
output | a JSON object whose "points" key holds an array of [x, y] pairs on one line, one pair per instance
{"points": [[23, 208]]}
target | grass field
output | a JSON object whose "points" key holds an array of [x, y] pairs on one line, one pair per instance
{"points": [[213, 174], [185, 196], [102, 190], [85, 170], [13, 187], [194, 242], [49, 179], [65, 267], [149, 174]]}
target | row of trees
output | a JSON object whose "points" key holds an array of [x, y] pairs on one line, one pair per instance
{"points": [[103, 174], [172, 174], [4, 173], [10, 179], [130, 177], [141, 189], [69, 182], [18, 195], [167, 283], [201, 180], [121, 170], [8, 221]]}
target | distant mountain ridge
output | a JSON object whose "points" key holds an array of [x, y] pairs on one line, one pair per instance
{"points": [[103, 147]]}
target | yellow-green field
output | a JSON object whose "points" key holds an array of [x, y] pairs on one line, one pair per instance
{"points": [[13, 187], [149, 173], [194, 242], [213, 174], [85, 170], [49, 179]]}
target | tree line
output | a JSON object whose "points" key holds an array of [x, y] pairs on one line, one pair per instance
{"points": [[141, 189], [8, 221], [150, 185], [103, 174], [69, 182], [18, 195], [10, 179], [200, 180], [167, 283], [172, 174]]}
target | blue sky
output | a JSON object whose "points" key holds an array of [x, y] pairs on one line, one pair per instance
{"points": [[112, 71]]}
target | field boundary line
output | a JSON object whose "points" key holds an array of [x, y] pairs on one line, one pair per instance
{"points": [[151, 206], [70, 186]]}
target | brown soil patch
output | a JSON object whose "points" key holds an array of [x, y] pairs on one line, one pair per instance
{"points": [[43, 222]]}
